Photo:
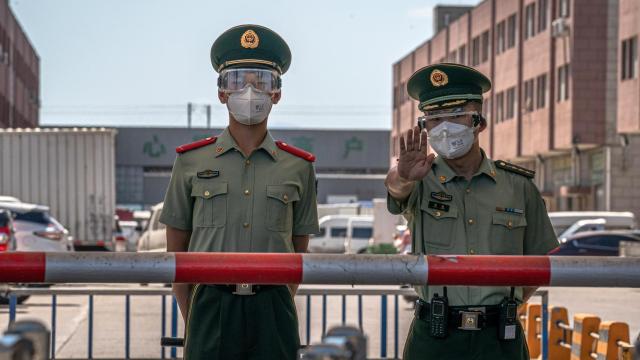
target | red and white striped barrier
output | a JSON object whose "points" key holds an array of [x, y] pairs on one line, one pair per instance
{"points": [[257, 268]]}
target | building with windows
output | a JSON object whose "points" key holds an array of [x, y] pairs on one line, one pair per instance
{"points": [[351, 165], [19, 74], [565, 96]]}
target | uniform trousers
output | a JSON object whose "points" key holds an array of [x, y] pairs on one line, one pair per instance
{"points": [[222, 325]]}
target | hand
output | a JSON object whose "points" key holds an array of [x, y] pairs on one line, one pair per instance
{"points": [[414, 162]]}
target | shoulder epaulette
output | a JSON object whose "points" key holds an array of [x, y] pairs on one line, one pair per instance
{"points": [[196, 144], [515, 169], [296, 151]]}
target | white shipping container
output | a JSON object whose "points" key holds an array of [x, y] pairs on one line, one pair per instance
{"points": [[70, 170]]}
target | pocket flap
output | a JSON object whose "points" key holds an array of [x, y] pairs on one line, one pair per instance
{"points": [[284, 193], [509, 221], [208, 189], [452, 213]]}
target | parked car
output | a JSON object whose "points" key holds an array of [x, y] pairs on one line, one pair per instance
{"points": [[36, 229], [8, 243], [343, 234], [154, 237], [7, 231], [4, 198], [563, 220], [595, 243]]}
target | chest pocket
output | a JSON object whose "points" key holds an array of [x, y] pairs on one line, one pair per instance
{"points": [[280, 199], [507, 234], [210, 208], [438, 226]]}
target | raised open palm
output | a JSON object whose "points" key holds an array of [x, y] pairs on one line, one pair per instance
{"points": [[414, 162]]}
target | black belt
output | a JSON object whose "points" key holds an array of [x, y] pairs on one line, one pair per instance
{"points": [[249, 289], [487, 315]]}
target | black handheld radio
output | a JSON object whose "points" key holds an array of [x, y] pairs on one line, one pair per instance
{"points": [[439, 316], [508, 317]]}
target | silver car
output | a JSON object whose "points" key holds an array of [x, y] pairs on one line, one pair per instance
{"points": [[36, 229]]}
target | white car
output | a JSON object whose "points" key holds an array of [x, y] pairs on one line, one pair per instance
{"points": [[154, 237], [4, 198], [36, 229], [343, 234]]}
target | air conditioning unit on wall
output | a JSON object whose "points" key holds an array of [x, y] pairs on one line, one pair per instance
{"points": [[559, 28]]}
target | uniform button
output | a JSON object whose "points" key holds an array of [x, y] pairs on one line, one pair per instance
{"points": [[246, 225], [437, 213], [285, 197], [206, 193], [468, 191], [509, 224], [471, 251], [247, 162], [247, 192], [470, 221]]}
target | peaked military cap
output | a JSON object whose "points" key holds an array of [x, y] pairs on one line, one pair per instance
{"points": [[443, 85], [252, 45]]}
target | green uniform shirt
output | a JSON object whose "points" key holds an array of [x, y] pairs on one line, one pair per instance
{"points": [[498, 212], [253, 204]]}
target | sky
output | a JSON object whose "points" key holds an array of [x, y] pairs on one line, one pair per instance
{"points": [[139, 62]]}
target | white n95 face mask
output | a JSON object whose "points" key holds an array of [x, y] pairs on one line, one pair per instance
{"points": [[249, 106], [451, 140]]}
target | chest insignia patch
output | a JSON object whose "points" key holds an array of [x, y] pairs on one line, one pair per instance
{"points": [[438, 206], [441, 196], [510, 210], [208, 174]]}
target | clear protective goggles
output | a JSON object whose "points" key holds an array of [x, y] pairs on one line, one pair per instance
{"points": [[236, 79], [454, 116]]}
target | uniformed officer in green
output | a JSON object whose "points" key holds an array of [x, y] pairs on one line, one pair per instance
{"points": [[462, 202], [242, 192]]}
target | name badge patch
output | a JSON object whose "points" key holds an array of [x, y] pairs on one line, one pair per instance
{"points": [[208, 174]]}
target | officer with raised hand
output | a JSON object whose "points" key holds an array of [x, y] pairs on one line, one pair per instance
{"points": [[242, 192], [462, 202]]}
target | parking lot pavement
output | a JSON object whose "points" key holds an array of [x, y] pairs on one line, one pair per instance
{"points": [[145, 327]]}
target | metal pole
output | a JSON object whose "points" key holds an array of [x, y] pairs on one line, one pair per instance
{"points": [[208, 116], [361, 269], [189, 110]]}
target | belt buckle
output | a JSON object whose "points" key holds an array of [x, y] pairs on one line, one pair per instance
{"points": [[244, 289], [469, 320]]}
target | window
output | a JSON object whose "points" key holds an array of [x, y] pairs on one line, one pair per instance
{"points": [[542, 15], [541, 91], [339, 232], [511, 31], [486, 109], [322, 233], [563, 83], [486, 46], [529, 29], [475, 51], [528, 95], [630, 58], [462, 54], [563, 8], [500, 38], [362, 232], [511, 103], [453, 56], [500, 107]]}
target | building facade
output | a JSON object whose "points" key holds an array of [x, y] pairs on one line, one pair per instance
{"points": [[19, 74], [564, 102], [351, 164]]}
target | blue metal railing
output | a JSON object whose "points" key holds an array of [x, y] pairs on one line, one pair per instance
{"points": [[308, 293]]}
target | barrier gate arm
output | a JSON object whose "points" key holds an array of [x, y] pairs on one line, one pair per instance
{"points": [[362, 269]]}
